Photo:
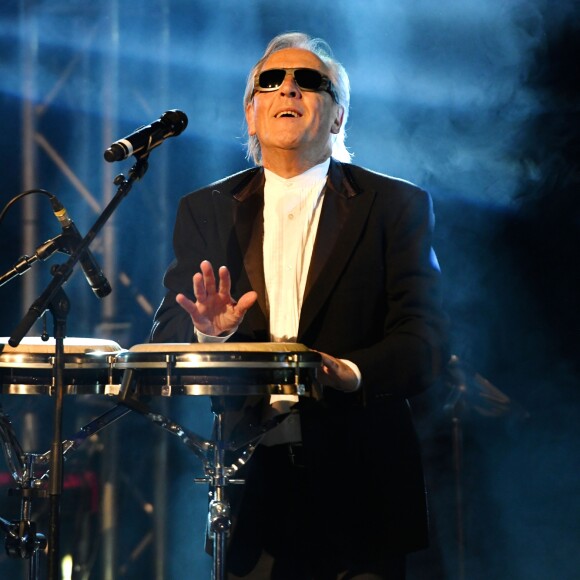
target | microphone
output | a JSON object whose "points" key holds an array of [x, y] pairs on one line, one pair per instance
{"points": [[95, 277], [171, 124]]}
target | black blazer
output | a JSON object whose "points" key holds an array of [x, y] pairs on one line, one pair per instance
{"points": [[373, 297]]}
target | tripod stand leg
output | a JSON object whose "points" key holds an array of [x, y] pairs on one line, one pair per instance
{"points": [[219, 525], [34, 567], [219, 509]]}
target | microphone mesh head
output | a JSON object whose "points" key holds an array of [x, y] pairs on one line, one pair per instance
{"points": [[175, 121]]}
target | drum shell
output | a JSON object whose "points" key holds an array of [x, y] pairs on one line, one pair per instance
{"points": [[29, 369], [227, 370]]}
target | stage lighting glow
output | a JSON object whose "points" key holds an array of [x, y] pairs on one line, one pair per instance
{"points": [[67, 567]]}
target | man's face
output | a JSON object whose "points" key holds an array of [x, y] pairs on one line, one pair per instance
{"points": [[293, 120]]}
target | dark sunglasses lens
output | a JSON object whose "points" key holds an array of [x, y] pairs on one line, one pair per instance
{"points": [[271, 79], [308, 79]]}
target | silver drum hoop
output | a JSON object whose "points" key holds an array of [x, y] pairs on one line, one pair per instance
{"points": [[235, 369], [28, 369]]}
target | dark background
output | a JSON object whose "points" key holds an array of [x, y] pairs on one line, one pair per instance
{"points": [[476, 102]]}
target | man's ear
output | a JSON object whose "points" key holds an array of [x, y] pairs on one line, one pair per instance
{"points": [[250, 118], [337, 123]]}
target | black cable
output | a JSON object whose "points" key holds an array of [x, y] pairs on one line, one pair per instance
{"points": [[20, 196]]}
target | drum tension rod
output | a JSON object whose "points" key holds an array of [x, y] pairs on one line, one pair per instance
{"points": [[300, 389], [170, 363]]}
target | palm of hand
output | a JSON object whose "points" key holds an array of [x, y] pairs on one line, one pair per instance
{"points": [[217, 315], [215, 312]]}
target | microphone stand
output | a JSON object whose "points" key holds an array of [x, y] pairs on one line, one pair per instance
{"points": [[43, 252], [54, 299]]}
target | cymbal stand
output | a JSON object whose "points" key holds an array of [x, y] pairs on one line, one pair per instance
{"points": [[471, 391], [455, 408]]}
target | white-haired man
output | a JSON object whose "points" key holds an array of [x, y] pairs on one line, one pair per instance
{"points": [[321, 252]]}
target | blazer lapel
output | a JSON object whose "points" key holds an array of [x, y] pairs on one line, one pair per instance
{"points": [[342, 220], [249, 230]]}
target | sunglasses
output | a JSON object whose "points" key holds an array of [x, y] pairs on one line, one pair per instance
{"points": [[307, 79]]}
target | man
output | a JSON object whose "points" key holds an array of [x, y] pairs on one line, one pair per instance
{"points": [[338, 258]]}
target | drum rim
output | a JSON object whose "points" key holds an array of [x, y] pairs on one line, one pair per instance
{"points": [[218, 355], [220, 347], [45, 389], [72, 345], [29, 360]]}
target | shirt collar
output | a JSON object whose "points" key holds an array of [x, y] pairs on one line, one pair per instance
{"points": [[306, 179]]}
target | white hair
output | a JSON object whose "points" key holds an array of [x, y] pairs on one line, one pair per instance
{"points": [[336, 73]]}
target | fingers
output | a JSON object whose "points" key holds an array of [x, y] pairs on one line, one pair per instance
{"points": [[188, 305], [204, 282], [246, 302], [199, 288], [214, 311], [337, 374], [330, 366], [225, 281]]}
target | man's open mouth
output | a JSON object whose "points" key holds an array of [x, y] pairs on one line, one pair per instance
{"points": [[288, 113]]}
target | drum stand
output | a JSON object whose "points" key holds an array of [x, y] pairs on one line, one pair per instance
{"points": [[212, 453], [218, 475], [22, 539]]}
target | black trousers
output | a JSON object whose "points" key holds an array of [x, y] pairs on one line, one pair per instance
{"points": [[275, 528]]}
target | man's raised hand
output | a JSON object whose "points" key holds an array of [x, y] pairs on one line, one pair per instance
{"points": [[214, 311]]}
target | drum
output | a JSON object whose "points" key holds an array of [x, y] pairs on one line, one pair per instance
{"points": [[218, 369], [28, 369]]}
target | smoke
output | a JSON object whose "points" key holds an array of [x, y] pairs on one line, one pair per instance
{"points": [[439, 94], [474, 101]]}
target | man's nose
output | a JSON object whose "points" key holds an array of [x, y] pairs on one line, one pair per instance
{"points": [[289, 87]]}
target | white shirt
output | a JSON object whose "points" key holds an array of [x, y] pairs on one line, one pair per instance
{"points": [[291, 214]]}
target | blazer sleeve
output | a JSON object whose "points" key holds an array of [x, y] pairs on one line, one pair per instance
{"points": [[413, 349], [171, 322]]}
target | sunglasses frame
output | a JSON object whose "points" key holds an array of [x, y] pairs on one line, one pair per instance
{"points": [[325, 82]]}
